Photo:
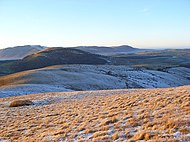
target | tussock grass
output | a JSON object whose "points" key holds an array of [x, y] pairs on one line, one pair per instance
{"points": [[150, 115], [17, 103]]}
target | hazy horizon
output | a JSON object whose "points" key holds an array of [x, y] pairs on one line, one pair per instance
{"points": [[69, 23], [187, 47]]}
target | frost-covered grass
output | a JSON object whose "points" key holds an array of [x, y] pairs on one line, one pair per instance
{"points": [[120, 115], [89, 77], [25, 89]]}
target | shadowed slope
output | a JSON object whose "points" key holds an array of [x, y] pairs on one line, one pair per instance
{"points": [[55, 56]]}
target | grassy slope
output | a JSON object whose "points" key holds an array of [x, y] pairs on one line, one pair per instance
{"points": [[144, 114], [98, 77]]}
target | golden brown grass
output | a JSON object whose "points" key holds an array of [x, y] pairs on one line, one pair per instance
{"points": [[13, 79], [145, 114]]}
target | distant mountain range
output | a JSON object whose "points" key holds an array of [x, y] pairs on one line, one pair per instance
{"points": [[92, 55], [19, 52], [102, 50]]}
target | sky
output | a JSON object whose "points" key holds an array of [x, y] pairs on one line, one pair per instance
{"points": [[67, 23]]}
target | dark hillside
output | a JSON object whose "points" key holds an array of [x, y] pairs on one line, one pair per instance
{"points": [[55, 56]]}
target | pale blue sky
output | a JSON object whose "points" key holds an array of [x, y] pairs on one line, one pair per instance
{"points": [[139, 23]]}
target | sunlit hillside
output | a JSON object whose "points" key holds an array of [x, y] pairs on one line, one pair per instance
{"points": [[113, 115]]}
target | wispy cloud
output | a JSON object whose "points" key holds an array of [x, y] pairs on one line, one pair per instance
{"points": [[145, 11]]}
